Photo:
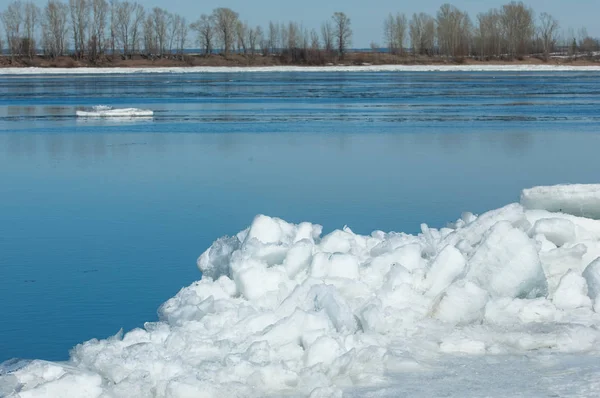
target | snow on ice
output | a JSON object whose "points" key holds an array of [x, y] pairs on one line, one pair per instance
{"points": [[502, 304], [336, 68], [109, 112]]}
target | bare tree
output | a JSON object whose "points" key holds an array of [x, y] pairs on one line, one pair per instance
{"points": [[226, 24], [205, 32], [182, 33], [548, 29], [55, 28], [327, 36], [394, 28], [293, 36], [242, 36], [28, 42], [422, 33], [342, 32], [12, 18], [314, 40], [489, 33], [255, 36], [123, 12], [137, 21], [80, 19], [518, 27], [97, 44], [273, 37], [283, 37], [454, 31], [150, 42], [160, 19], [173, 27]]}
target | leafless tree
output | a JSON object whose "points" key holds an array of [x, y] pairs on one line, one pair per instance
{"points": [[137, 21], [489, 33], [283, 36], [97, 44], [242, 36], [150, 42], [80, 19], [518, 27], [342, 32], [273, 37], [255, 36], [422, 33], [30, 22], [160, 19], [394, 28], [55, 28], [182, 34], [205, 32], [226, 24], [454, 31], [314, 40], [12, 19], [293, 36], [547, 29], [327, 36], [173, 27]]}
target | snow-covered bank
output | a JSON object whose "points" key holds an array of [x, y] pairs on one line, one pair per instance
{"points": [[482, 307], [366, 68]]}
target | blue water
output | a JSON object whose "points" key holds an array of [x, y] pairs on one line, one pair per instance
{"points": [[102, 221]]}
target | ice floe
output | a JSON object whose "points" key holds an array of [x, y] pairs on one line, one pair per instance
{"points": [[102, 111], [482, 307]]}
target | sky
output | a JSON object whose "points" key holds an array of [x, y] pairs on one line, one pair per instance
{"points": [[367, 16]]}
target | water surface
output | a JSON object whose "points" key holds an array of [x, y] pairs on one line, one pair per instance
{"points": [[101, 221]]}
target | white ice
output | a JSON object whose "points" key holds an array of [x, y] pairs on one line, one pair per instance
{"points": [[333, 68], [102, 111], [502, 304]]}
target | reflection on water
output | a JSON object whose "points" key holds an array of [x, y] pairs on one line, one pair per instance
{"points": [[104, 219], [511, 143]]}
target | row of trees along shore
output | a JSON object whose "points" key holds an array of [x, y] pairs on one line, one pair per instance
{"points": [[95, 30]]}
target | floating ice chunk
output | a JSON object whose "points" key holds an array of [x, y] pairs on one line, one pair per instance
{"points": [[592, 278], [571, 292], [107, 111], [577, 199], [506, 264]]}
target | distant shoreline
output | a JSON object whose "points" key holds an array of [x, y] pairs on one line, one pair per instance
{"points": [[355, 60], [24, 71]]}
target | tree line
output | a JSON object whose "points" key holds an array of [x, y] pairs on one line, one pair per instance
{"points": [[93, 29]]}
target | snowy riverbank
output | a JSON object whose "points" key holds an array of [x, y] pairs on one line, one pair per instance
{"points": [[366, 68], [506, 303]]}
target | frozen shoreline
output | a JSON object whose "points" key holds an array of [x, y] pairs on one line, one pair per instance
{"points": [[478, 308], [233, 69]]}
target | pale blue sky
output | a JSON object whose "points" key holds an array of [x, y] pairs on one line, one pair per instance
{"points": [[367, 16]]}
